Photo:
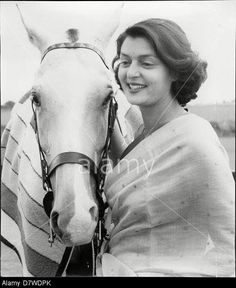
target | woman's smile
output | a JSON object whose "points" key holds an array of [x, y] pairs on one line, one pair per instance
{"points": [[136, 87]]}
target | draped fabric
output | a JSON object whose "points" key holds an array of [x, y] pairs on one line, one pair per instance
{"points": [[23, 220], [172, 204]]}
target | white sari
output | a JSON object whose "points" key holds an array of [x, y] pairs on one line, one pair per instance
{"points": [[172, 203]]}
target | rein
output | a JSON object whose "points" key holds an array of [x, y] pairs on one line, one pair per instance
{"points": [[75, 157]]}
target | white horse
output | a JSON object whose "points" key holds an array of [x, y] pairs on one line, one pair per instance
{"points": [[71, 99]]}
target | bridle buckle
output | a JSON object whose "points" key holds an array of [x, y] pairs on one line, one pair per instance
{"points": [[52, 236]]}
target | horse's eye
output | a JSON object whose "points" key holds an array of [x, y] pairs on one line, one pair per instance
{"points": [[35, 98]]}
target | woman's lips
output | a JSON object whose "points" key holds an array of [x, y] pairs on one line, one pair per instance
{"points": [[135, 87]]}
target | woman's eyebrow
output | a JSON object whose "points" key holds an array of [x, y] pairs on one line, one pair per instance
{"points": [[148, 56], [140, 56], [123, 54]]}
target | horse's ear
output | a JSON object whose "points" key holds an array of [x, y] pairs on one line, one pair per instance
{"points": [[109, 26], [35, 37]]}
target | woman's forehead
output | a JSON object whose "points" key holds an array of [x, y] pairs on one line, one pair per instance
{"points": [[137, 45]]}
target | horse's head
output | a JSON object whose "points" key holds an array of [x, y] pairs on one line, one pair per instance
{"points": [[71, 97]]}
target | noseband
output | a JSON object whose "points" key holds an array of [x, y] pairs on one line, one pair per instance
{"points": [[79, 158]]}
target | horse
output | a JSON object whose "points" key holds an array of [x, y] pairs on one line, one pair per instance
{"points": [[55, 147]]}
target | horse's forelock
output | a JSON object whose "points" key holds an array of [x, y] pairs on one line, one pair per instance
{"points": [[72, 35]]}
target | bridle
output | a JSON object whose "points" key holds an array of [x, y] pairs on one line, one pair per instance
{"points": [[99, 173]]}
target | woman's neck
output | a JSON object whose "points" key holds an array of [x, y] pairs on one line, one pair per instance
{"points": [[155, 116]]}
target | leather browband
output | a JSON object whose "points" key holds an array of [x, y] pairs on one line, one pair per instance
{"points": [[73, 46]]}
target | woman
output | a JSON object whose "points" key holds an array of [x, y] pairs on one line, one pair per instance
{"points": [[172, 193]]}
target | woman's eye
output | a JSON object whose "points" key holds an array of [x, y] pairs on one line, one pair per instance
{"points": [[147, 64], [124, 63], [35, 99]]}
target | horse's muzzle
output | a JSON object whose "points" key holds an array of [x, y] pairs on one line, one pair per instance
{"points": [[75, 229]]}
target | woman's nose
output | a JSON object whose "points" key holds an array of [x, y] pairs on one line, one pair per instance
{"points": [[133, 71]]}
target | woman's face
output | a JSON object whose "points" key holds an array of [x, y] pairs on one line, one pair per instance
{"points": [[145, 80]]}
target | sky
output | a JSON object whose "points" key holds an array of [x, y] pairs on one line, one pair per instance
{"points": [[209, 25]]}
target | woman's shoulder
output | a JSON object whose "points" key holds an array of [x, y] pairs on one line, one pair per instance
{"points": [[192, 132], [201, 139], [194, 120], [194, 127], [186, 130]]}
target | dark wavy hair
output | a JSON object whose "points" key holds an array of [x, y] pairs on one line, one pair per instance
{"points": [[174, 50]]}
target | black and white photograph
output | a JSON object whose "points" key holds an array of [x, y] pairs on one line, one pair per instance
{"points": [[117, 140]]}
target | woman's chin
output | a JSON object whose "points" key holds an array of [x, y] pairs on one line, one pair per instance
{"points": [[135, 99]]}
